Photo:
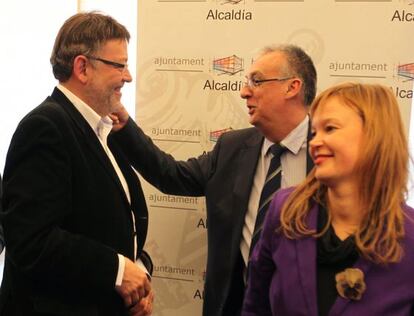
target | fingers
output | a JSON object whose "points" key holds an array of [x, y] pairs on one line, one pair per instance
{"points": [[128, 297], [146, 287], [114, 118], [141, 291], [143, 307], [119, 118], [135, 284], [134, 296]]}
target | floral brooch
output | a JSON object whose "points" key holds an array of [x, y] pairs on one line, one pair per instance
{"points": [[350, 284]]}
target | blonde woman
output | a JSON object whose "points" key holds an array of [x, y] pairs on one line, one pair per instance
{"points": [[342, 242]]}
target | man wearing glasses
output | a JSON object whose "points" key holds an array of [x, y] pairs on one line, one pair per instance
{"points": [[74, 214], [280, 85]]}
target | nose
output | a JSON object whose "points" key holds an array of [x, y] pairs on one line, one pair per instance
{"points": [[314, 143], [127, 75], [245, 92]]}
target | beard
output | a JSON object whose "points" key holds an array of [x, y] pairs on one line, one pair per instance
{"points": [[102, 100]]}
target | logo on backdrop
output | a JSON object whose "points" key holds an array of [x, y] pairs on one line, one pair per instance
{"points": [[228, 65], [406, 71]]}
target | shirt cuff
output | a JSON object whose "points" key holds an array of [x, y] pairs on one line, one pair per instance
{"points": [[141, 265], [121, 269]]}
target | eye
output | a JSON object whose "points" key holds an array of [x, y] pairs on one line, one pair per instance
{"points": [[330, 128], [312, 134], [255, 82]]}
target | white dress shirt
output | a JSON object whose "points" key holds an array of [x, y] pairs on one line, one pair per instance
{"points": [[293, 162]]}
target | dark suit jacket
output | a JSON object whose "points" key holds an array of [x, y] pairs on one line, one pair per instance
{"points": [[1, 227], [283, 274], [65, 217], [225, 177]]}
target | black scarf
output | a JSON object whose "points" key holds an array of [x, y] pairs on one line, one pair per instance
{"points": [[333, 256]]}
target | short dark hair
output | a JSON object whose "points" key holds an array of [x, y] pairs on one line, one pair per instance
{"points": [[299, 64], [83, 34]]}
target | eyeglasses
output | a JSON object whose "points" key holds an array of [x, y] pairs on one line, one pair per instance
{"points": [[252, 82], [121, 67]]}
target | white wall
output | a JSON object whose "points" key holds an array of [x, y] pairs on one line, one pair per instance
{"points": [[27, 31]]}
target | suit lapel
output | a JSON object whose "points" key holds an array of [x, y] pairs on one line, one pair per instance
{"points": [[89, 137], [306, 260], [138, 204], [248, 159], [247, 162]]}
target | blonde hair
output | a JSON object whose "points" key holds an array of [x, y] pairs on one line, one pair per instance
{"points": [[382, 172]]}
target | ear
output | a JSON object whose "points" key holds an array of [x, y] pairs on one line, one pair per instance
{"points": [[80, 71], [294, 87]]}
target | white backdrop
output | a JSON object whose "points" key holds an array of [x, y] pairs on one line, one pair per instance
{"points": [[192, 56]]}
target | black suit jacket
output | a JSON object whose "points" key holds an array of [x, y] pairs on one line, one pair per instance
{"points": [[65, 217], [1, 227], [225, 176]]}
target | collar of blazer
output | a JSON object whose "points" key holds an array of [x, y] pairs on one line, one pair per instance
{"points": [[89, 136]]}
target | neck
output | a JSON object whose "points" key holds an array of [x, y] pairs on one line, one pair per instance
{"points": [[345, 209], [78, 89], [282, 125]]}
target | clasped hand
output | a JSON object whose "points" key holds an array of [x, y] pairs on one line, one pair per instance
{"points": [[136, 290]]}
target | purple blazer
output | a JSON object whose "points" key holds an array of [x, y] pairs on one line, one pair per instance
{"points": [[283, 275]]}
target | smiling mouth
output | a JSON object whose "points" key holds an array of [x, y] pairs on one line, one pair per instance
{"points": [[320, 158]]}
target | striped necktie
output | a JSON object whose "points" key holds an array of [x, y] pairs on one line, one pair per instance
{"points": [[271, 185]]}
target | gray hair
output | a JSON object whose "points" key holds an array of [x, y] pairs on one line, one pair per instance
{"points": [[298, 64]]}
